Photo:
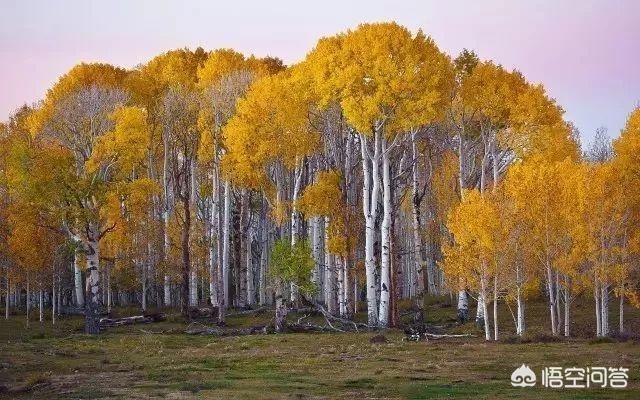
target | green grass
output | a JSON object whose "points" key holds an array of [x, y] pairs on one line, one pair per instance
{"points": [[130, 362]]}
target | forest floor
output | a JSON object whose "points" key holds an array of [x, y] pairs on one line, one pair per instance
{"points": [[159, 361]]}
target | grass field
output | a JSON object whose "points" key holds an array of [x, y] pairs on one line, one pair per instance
{"points": [[138, 361]]}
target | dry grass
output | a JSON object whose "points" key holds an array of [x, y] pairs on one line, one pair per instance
{"points": [[129, 363]]}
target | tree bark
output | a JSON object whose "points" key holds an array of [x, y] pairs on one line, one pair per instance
{"points": [[41, 304], [28, 302], [339, 266], [93, 304], [186, 253], [369, 205], [485, 315], [596, 297], [295, 220], [193, 289], [520, 313], [213, 287], [226, 250], [220, 289], [385, 235], [621, 311], [463, 306], [143, 300], [567, 305], [264, 246], [79, 287], [251, 286], [463, 301], [242, 259], [317, 242], [417, 238], [604, 307], [329, 273], [7, 304], [552, 299], [480, 310], [53, 299], [495, 308]]}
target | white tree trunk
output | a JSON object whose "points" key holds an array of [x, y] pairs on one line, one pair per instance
{"points": [[483, 306], [415, 213], [495, 308], [463, 305], [355, 295], [251, 287], [77, 275], [344, 310], [213, 288], [621, 311], [93, 304], [552, 300], [558, 301], [143, 300], [7, 303], [28, 305], [340, 284], [41, 305], [370, 167], [519, 301], [109, 299], [596, 297], [225, 244], [604, 308], [329, 273], [193, 288], [567, 305], [317, 239], [385, 283], [295, 223], [53, 299], [167, 291], [520, 312], [165, 213], [167, 278], [480, 310], [264, 244]]}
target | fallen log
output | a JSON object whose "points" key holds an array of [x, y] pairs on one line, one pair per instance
{"points": [[416, 337], [435, 336], [203, 312], [196, 328], [136, 319]]}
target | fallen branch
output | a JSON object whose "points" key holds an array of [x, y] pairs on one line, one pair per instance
{"points": [[328, 317], [435, 336], [301, 318], [305, 328]]}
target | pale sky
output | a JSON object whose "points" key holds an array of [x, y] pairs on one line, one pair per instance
{"points": [[585, 52]]}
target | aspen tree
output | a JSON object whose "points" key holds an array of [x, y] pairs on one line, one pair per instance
{"points": [[383, 91]]}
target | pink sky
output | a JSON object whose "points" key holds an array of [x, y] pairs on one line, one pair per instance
{"points": [[586, 53]]}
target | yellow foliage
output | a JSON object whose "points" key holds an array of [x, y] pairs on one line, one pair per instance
{"points": [[81, 76], [126, 145], [381, 73], [271, 125]]}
